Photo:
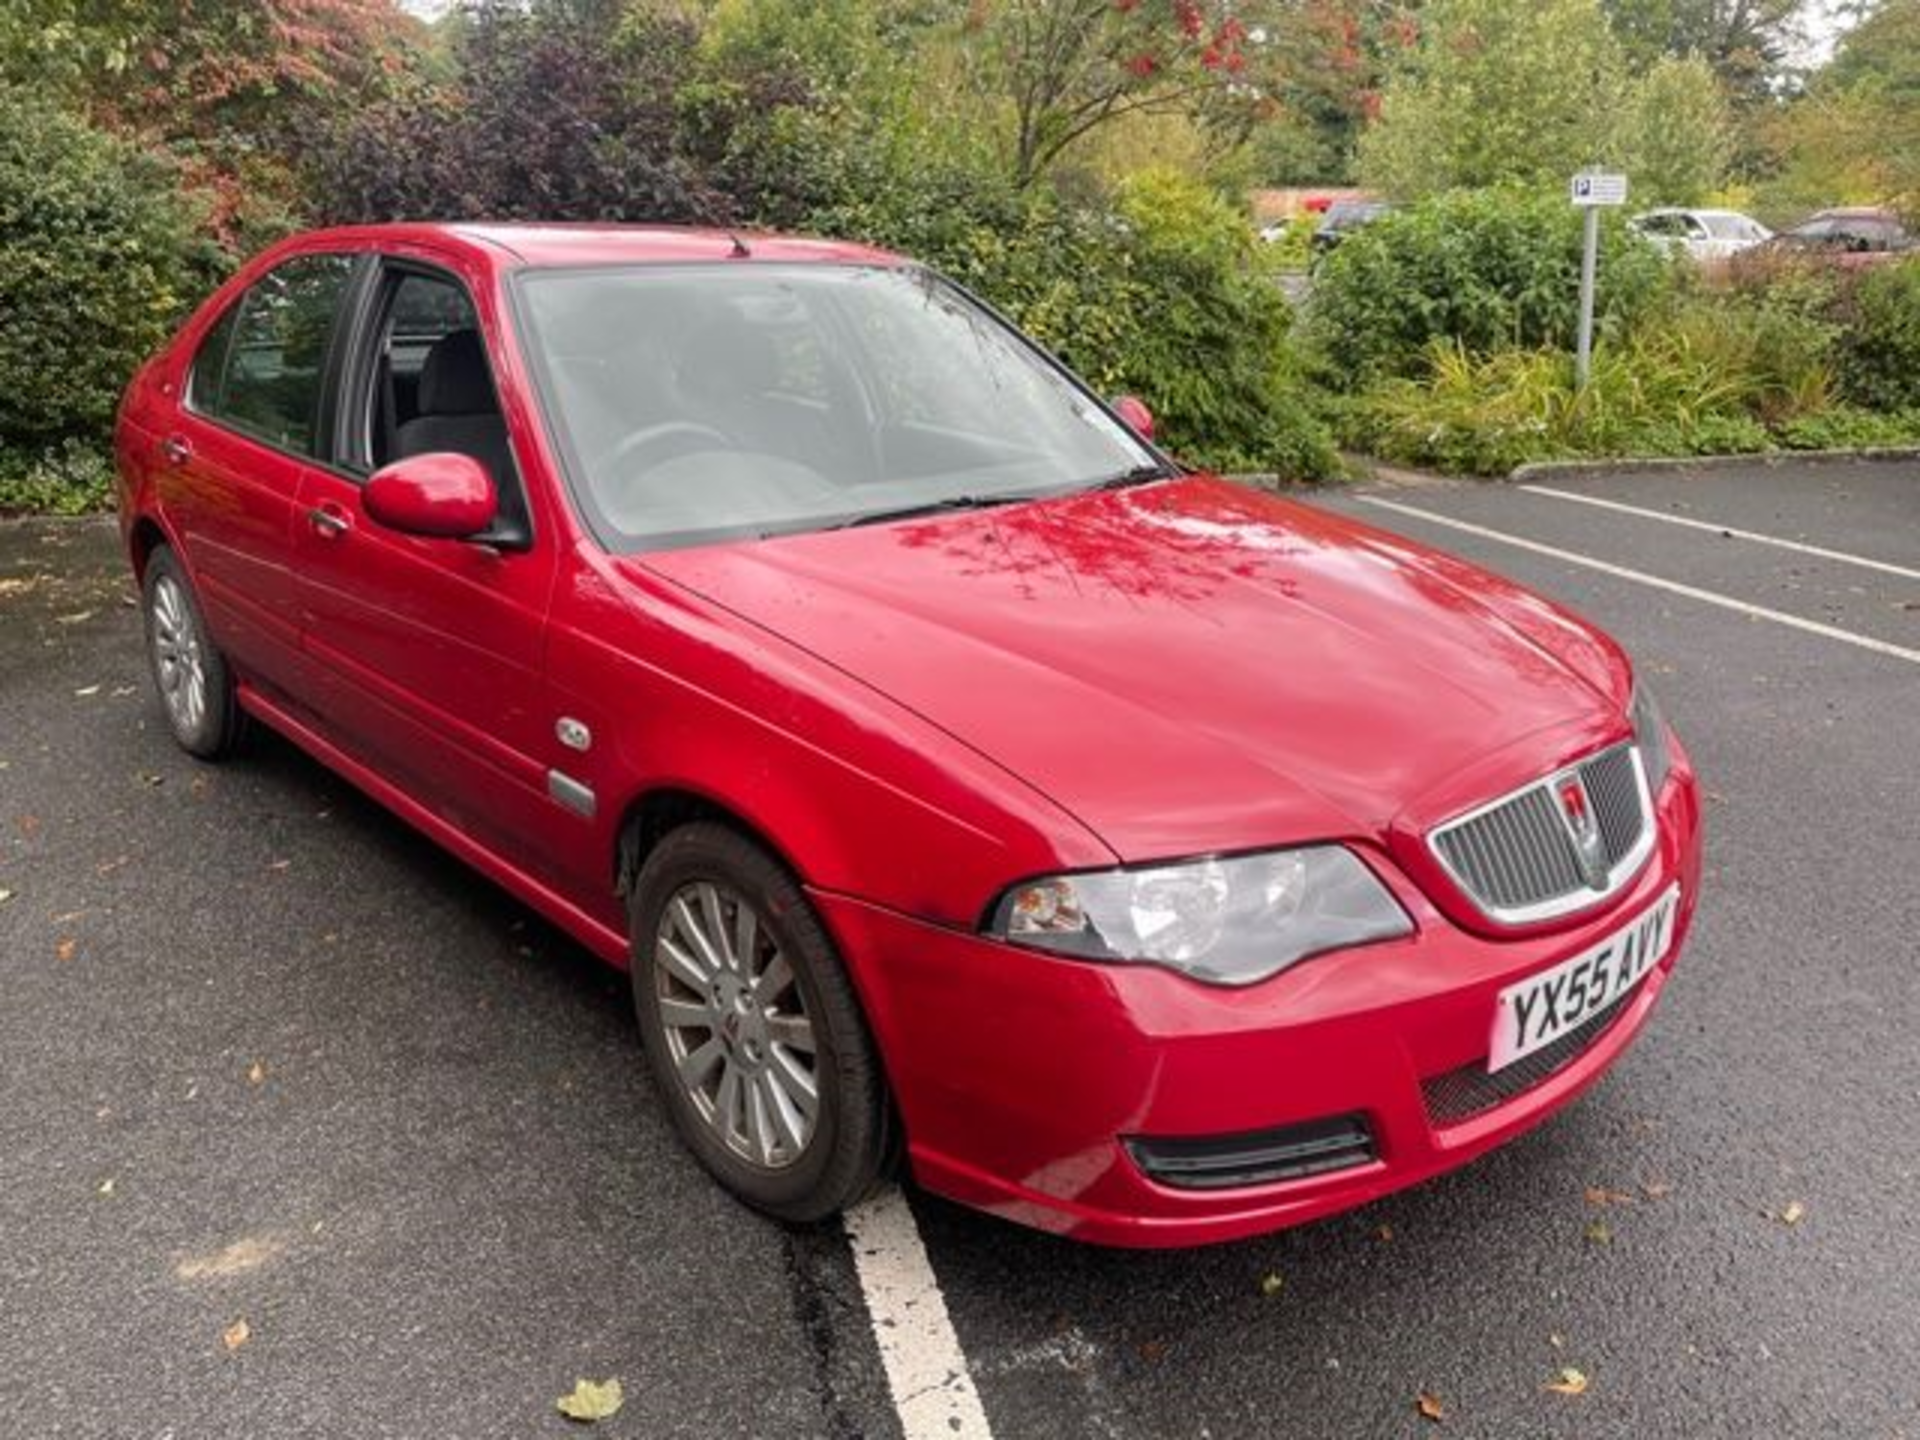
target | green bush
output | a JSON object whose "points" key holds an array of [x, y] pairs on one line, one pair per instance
{"points": [[1483, 415], [72, 478], [1879, 346], [1847, 427], [1487, 270], [97, 261]]}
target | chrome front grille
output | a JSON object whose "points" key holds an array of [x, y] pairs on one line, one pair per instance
{"points": [[1520, 858]]}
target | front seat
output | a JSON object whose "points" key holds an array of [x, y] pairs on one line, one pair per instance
{"points": [[458, 411]]}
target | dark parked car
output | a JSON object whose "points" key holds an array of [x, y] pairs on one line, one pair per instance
{"points": [[1343, 217], [1848, 237]]}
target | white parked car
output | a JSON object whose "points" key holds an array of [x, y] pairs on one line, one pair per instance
{"points": [[1700, 234]]}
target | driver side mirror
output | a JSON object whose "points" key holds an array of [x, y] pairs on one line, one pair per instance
{"points": [[444, 495], [1133, 410]]}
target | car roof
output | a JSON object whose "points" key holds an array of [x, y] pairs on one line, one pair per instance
{"points": [[541, 244]]}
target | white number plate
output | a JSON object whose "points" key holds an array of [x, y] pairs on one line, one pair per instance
{"points": [[1540, 1009]]}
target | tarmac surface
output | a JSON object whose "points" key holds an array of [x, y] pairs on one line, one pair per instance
{"points": [[306, 1130]]}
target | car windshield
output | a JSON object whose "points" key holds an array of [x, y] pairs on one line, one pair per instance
{"points": [[706, 402]]}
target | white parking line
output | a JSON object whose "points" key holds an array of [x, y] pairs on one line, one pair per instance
{"points": [[933, 1392], [1738, 534], [1706, 597]]}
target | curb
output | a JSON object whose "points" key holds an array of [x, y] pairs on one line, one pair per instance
{"points": [[1546, 469]]}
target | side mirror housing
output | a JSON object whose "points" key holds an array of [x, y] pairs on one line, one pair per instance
{"points": [[1133, 410], [442, 494]]}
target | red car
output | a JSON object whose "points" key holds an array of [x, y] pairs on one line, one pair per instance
{"points": [[1127, 852]]}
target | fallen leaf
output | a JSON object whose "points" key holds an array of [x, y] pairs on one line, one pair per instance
{"points": [[63, 952], [5, 894], [106, 1186], [1429, 1407], [1600, 1195], [1383, 1234], [590, 1402], [1272, 1283], [1793, 1214], [279, 864], [256, 1073], [1152, 1351], [107, 867], [120, 692], [79, 617], [86, 690], [1599, 1233], [147, 777], [1656, 1189], [1569, 1382], [236, 1335], [1557, 1340]]}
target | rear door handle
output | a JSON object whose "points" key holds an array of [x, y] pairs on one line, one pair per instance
{"points": [[176, 448], [329, 522]]}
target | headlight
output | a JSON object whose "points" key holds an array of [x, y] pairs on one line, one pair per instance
{"points": [[1650, 734], [1228, 921]]}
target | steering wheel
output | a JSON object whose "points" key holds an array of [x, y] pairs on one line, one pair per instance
{"points": [[670, 438]]}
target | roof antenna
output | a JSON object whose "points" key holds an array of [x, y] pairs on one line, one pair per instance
{"points": [[740, 250]]}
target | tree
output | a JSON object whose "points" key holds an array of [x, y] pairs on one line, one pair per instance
{"points": [[1497, 92], [1749, 44], [1679, 135], [1855, 135], [1065, 68], [219, 85]]}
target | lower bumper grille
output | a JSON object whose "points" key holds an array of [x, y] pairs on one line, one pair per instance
{"points": [[1462, 1094], [1260, 1157]]}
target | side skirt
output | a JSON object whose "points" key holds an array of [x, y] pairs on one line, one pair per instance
{"points": [[607, 943]]}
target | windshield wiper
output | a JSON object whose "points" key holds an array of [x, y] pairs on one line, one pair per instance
{"points": [[929, 507], [1138, 475]]}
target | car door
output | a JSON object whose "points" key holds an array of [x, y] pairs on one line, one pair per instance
{"points": [[231, 464], [430, 650]]}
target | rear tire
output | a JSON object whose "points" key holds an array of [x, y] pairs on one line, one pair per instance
{"points": [[192, 676], [752, 1029]]}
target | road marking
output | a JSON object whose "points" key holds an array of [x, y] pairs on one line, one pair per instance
{"points": [[1706, 597], [932, 1390], [1754, 535]]}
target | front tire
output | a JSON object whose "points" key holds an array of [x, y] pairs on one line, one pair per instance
{"points": [[192, 676], [752, 1029]]}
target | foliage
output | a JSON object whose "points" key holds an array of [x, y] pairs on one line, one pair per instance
{"points": [[97, 260], [1500, 93], [1750, 46], [1679, 136], [74, 477], [220, 85], [1855, 136], [1065, 68], [1879, 346], [1485, 270], [550, 114], [1497, 92], [1700, 375]]}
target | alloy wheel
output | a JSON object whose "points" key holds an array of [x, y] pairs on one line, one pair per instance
{"points": [[179, 657], [736, 1025]]}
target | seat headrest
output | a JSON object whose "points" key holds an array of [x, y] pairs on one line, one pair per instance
{"points": [[454, 379]]}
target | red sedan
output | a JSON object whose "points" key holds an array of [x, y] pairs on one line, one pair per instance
{"points": [[966, 785]]}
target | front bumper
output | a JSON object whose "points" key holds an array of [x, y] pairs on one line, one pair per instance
{"points": [[1018, 1075]]}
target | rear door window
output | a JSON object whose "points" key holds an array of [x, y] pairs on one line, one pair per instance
{"points": [[263, 368]]}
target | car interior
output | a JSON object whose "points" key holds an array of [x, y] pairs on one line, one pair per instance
{"points": [[433, 389]]}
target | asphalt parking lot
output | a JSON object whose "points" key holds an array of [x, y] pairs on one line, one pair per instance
{"points": [[305, 1130]]}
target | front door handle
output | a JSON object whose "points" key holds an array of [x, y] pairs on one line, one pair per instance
{"points": [[176, 449], [329, 522]]}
